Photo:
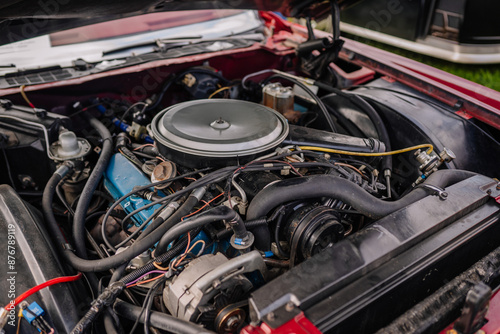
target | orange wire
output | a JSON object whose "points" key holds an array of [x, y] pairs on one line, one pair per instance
{"points": [[204, 206], [350, 166], [146, 281], [182, 257], [189, 242], [189, 235], [160, 267], [184, 254], [138, 148]]}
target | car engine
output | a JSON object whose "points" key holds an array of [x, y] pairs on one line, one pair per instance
{"points": [[236, 203]]}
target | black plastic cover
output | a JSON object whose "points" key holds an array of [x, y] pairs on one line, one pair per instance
{"points": [[303, 136], [358, 256], [28, 259]]}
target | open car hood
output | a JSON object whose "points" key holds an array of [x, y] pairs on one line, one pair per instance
{"points": [[317, 217], [23, 19]]}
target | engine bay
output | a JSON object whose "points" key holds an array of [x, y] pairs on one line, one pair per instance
{"points": [[235, 198]]}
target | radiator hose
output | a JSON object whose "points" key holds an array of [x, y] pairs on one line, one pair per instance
{"points": [[331, 186], [159, 320], [91, 185]]}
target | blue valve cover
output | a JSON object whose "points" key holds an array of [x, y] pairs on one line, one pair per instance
{"points": [[120, 178]]}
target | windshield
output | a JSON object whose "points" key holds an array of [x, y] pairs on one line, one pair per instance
{"points": [[136, 25], [130, 36]]}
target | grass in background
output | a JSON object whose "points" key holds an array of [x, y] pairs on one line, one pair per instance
{"points": [[486, 75]]}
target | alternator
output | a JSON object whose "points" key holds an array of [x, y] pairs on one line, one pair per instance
{"points": [[195, 291]]}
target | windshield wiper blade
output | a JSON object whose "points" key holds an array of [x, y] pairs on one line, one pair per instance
{"points": [[145, 43], [256, 37], [165, 44], [8, 66]]}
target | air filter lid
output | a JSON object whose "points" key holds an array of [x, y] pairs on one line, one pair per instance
{"points": [[219, 128]]}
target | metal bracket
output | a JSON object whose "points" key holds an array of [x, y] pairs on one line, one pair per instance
{"points": [[440, 192], [474, 311], [493, 190]]}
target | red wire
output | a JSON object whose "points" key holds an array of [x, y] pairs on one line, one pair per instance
{"points": [[39, 287]]}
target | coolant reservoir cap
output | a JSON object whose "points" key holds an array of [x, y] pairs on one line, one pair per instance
{"points": [[219, 128]]}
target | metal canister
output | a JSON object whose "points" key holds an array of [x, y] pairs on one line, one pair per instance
{"points": [[278, 97]]}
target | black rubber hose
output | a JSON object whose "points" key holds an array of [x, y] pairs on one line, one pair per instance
{"points": [[121, 146], [346, 123], [133, 234], [117, 259], [98, 265], [85, 265], [213, 215], [196, 195], [112, 291], [109, 323], [90, 186], [335, 12], [91, 265], [249, 224], [277, 228], [375, 118], [379, 125], [47, 199], [335, 187], [148, 303], [306, 89], [155, 223], [118, 273], [159, 320], [176, 217]]}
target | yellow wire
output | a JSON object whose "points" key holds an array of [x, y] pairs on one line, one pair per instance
{"points": [[361, 154], [160, 267], [194, 245], [19, 316], [25, 97], [183, 255], [219, 90]]}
